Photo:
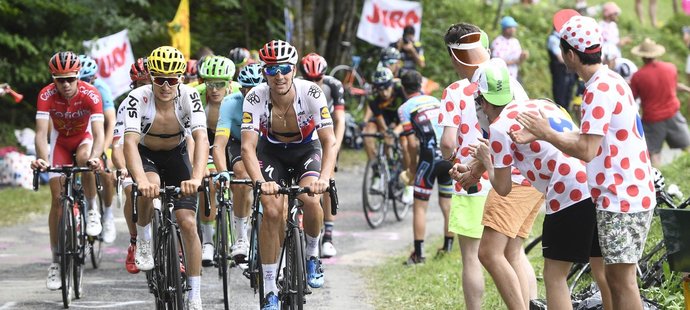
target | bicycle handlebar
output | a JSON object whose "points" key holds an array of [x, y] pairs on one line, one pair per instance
{"points": [[665, 197], [222, 180], [174, 191], [297, 190], [64, 170]]}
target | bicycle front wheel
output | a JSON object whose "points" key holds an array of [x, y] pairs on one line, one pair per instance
{"points": [[294, 276], [375, 192], [223, 248], [354, 85], [80, 255], [66, 244]]}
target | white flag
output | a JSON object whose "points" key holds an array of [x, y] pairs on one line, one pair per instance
{"points": [[114, 57], [383, 21]]}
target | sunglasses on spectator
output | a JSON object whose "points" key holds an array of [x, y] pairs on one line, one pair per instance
{"points": [[65, 79], [468, 50], [161, 80], [216, 84], [274, 70]]}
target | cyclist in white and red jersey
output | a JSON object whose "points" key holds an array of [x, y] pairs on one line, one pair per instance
{"points": [[156, 120], [313, 68], [139, 75], [75, 110], [288, 113]]}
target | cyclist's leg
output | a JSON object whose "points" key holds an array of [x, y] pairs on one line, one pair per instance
{"points": [[241, 200], [370, 143], [422, 191], [108, 181], [208, 223], [144, 252]]}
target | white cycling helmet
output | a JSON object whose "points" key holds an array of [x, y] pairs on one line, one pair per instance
{"points": [[278, 52]]}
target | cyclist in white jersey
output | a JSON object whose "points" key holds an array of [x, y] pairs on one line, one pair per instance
{"points": [[289, 114], [157, 117], [313, 68]]}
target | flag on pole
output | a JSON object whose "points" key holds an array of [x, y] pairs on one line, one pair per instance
{"points": [[178, 29]]}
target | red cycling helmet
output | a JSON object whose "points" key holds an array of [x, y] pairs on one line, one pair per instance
{"points": [[139, 71], [192, 70], [313, 66], [278, 52], [64, 62]]}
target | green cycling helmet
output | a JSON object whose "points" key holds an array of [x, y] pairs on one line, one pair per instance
{"points": [[217, 67]]}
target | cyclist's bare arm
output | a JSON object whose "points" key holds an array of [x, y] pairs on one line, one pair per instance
{"points": [[339, 124], [41, 139], [410, 153], [98, 139], [109, 127], [219, 159], [327, 139], [381, 124], [199, 164], [118, 157], [251, 163]]}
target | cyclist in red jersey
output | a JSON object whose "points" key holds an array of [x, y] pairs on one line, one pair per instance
{"points": [[75, 110]]}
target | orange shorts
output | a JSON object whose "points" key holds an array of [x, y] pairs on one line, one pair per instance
{"points": [[513, 215]]}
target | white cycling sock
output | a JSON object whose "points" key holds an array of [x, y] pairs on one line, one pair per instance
{"points": [[270, 278], [93, 204], [207, 231], [144, 231], [108, 212], [195, 284], [312, 246], [240, 227]]}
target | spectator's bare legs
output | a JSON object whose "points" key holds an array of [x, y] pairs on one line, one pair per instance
{"points": [[638, 10], [529, 273], [656, 159], [514, 253], [472, 272], [597, 264], [492, 254], [652, 13], [622, 280]]}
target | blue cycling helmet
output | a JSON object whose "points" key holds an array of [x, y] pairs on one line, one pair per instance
{"points": [[89, 67], [251, 75]]}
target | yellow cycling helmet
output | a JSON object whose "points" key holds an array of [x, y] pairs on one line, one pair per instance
{"points": [[167, 60]]}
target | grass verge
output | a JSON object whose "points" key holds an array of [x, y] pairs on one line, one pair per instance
{"points": [[19, 204], [437, 284]]}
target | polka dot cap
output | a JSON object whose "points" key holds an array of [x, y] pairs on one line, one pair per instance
{"points": [[581, 32]]}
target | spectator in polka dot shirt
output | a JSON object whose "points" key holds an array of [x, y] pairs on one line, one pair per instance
{"points": [[507, 46], [569, 229], [468, 49], [611, 142]]}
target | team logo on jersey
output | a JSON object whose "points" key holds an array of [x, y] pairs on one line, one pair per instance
{"points": [[314, 91], [324, 113], [247, 118], [253, 98]]}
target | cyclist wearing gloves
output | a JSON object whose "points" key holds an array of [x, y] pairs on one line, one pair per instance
{"points": [[75, 110], [216, 72], [313, 68], [226, 155], [289, 114], [87, 73], [156, 152]]}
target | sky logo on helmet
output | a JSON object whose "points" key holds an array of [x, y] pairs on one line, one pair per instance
{"points": [[247, 118]]}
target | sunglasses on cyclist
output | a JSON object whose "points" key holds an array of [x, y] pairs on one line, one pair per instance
{"points": [[65, 79], [161, 80], [389, 62], [216, 84], [469, 50], [384, 86], [274, 70]]}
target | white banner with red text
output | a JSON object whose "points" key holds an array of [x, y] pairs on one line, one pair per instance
{"points": [[383, 21], [114, 57]]}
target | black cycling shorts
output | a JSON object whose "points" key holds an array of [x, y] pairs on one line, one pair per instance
{"points": [[389, 117], [233, 152], [173, 167], [571, 235], [429, 169], [276, 159]]}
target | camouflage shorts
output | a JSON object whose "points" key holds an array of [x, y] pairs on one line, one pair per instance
{"points": [[622, 236]]}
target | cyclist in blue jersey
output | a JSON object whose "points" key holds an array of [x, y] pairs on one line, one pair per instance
{"points": [[288, 120], [419, 118], [226, 155], [87, 73], [313, 68]]}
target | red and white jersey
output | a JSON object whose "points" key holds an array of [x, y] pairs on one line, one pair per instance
{"points": [[71, 117], [560, 177], [619, 177], [310, 106]]}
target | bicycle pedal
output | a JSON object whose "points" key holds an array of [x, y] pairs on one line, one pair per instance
{"points": [[307, 290]]}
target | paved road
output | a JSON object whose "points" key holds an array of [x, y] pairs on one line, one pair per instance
{"points": [[24, 257]]}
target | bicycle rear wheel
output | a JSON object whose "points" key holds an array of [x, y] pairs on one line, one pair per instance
{"points": [[254, 271], [356, 89], [375, 192], [66, 250], [581, 281], [223, 248], [96, 242], [294, 278], [532, 244], [400, 208]]}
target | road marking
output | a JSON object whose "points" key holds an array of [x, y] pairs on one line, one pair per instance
{"points": [[8, 305], [100, 304]]}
